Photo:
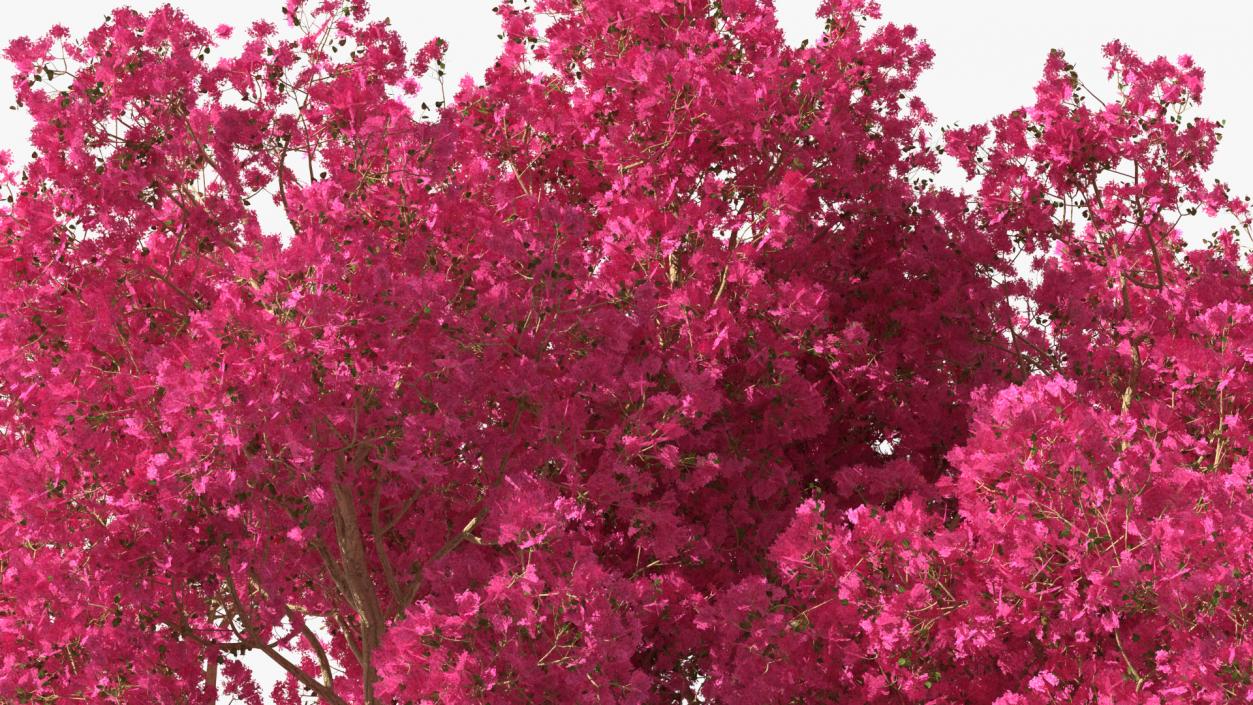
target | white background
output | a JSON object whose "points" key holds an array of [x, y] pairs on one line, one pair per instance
{"points": [[989, 53]]}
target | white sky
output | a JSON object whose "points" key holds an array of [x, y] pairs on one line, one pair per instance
{"points": [[989, 53]]}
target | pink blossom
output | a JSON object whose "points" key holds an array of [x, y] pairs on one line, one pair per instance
{"points": [[652, 365]]}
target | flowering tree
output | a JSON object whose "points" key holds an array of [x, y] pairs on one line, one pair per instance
{"points": [[653, 368], [1095, 545]]}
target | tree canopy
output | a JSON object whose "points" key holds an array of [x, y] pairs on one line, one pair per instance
{"points": [[655, 367]]}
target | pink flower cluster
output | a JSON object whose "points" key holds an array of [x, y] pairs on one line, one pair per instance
{"points": [[653, 368]]}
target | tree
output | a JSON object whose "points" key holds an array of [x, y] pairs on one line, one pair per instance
{"points": [[653, 363], [1096, 547]]}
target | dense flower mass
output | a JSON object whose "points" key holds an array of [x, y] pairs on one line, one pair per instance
{"points": [[653, 368]]}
